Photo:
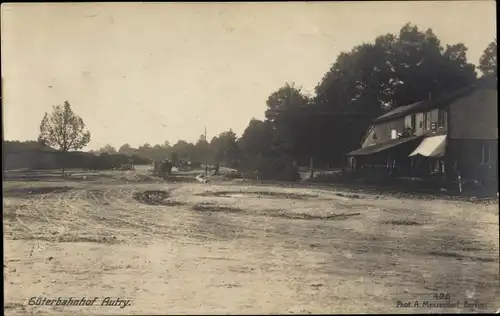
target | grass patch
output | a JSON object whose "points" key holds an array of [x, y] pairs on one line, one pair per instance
{"points": [[303, 216], [403, 222], [471, 249], [12, 214], [18, 306], [283, 195], [460, 257], [34, 191], [176, 178], [271, 213], [352, 196], [93, 239], [216, 208], [69, 238], [156, 198], [94, 194]]}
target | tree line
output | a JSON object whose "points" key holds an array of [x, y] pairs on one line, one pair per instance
{"points": [[299, 129], [363, 83], [222, 149]]}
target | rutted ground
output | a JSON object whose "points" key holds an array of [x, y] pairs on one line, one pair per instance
{"points": [[220, 248]]}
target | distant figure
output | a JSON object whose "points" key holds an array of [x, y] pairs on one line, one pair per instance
{"points": [[165, 167], [216, 169], [168, 166]]}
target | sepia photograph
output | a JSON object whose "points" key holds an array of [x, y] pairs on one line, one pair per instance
{"points": [[195, 158]]}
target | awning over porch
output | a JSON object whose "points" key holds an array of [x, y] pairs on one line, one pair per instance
{"points": [[370, 150], [433, 146]]}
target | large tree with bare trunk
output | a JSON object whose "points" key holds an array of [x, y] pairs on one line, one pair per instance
{"points": [[63, 130]]}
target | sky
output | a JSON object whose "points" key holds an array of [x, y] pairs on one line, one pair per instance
{"points": [[154, 72]]}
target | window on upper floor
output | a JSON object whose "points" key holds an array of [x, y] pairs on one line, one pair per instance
{"points": [[427, 121], [441, 118], [413, 123], [485, 154]]}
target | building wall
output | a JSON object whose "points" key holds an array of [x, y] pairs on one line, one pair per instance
{"points": [[383, 130], [30, 160], [470, 159], [422, 126], [475, 116], [76, 159], [33, 159], [419, 123], [381, 133]]}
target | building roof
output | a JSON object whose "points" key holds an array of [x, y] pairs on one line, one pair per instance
{"points": [[399, 112], [444, 100], [374, 149]]}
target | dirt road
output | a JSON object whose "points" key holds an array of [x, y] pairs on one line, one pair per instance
{"points": [[222, 248]]}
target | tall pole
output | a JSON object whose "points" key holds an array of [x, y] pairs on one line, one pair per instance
{"points": [[206, 165], [3, 130]]}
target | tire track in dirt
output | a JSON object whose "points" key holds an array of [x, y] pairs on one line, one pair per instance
{"points": [[74, 211], [385, 253], [159, 221], [314, 264], [36, 237], [185, 223], [99, 200], [207, 225], [112, 212], [38, 208], [65, 214], [124, 213], [156, 221]]}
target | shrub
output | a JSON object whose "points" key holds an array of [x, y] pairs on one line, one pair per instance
{"points": [[337, 177], [233, 175], [271, 168], [195, 165], [289, 172]]}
